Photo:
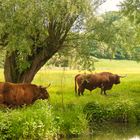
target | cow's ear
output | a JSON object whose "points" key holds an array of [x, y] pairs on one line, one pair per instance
{"points": [[41, 88]]}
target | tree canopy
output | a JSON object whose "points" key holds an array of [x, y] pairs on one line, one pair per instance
{"points": [[131, 9], [33, 31]]}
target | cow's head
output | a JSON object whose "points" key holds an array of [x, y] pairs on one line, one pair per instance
{"points": [[43, 93], [116, 79]]}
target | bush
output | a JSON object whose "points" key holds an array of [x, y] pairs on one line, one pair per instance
{"points": [[34, 122], [40, 121], [95, 112], [118, 111], [123, 110], [72, 121]]}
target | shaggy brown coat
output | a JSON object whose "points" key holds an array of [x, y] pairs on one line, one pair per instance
{"points": [[103, 80], [19, 94]]}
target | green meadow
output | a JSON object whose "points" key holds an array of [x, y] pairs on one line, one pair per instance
{"points": [[67, 114], [62, 82]]}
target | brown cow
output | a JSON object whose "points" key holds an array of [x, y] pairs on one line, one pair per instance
{"points": [[103, 80], [19, 94]]}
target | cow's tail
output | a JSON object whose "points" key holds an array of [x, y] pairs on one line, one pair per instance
{"points": [[76, 83]]}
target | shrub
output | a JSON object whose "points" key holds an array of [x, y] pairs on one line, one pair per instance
{"points": [[34, 122], [95, 112], [40, 121], [72, 121], [122, 110]]}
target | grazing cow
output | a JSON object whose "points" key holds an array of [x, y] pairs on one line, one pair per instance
{"points": [[103, 80], [19, 94]]}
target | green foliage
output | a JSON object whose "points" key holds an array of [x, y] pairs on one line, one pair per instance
{"points": [[34, 122], [136, 53], [131, 9], [123, 110], [115, 37], [2, 57], [94, 112], [41, 121], [33, 31], [77, 55], [72, 121], [118, 111]]}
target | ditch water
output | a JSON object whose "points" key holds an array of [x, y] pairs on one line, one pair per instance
{"points": [[112, 132]]}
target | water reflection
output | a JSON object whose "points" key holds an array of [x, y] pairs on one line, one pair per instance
{"points": [[112, 132]]}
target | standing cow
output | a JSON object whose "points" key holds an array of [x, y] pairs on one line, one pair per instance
{"points": [[103, 80], [19, 94]]}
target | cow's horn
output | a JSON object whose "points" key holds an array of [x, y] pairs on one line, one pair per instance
{"points": [[123, 76], [48, 85]]}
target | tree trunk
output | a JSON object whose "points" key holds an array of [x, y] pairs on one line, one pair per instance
{"points": [[12, 74], [37, 63], [10, 71]]}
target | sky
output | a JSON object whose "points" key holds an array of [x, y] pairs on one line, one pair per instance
{"points": [[109, 5]]}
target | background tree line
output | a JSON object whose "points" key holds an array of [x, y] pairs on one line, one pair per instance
{"points": [[33, 32]]}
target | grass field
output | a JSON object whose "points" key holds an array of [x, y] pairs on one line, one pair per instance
{"points": [[66, 116], [63, 82]]}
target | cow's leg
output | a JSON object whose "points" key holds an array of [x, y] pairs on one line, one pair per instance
{"points": [[101, 91], [3, 106], [80, 91], [90, 91], [102, 88], [105, 92]]}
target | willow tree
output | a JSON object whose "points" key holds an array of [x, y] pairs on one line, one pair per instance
{"points": [[131, 9], [33, 31]]}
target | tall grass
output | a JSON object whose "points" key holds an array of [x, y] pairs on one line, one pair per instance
{"points": [[70, 114]]}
